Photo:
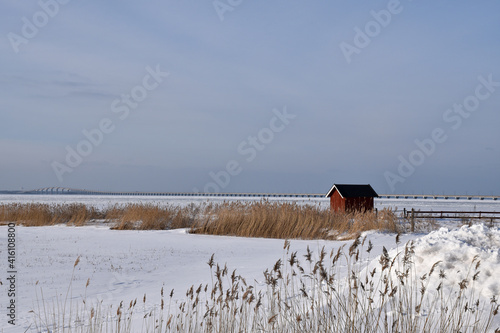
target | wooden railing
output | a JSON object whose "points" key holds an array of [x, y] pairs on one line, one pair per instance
{"points": [[448, 214]]}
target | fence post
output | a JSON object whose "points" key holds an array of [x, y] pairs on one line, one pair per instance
{"points": [[412, 221]]}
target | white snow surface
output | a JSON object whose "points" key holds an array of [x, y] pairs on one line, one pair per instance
{"points": [[456, 250], [125, 265], [459, 253]]}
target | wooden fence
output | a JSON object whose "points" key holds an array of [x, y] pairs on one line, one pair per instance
{"points": [[450, 214]]}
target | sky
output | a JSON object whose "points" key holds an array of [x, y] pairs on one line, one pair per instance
{"points": [[250, 96]]}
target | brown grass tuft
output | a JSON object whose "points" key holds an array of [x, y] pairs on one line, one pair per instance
{"points": [[152, 217], [36, 214]]}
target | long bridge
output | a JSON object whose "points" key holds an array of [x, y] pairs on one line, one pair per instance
{"points": [[73, 191], [436, 196]]}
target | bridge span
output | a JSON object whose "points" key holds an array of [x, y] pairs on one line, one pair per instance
{"points": [[73, 191], [435, 196]]}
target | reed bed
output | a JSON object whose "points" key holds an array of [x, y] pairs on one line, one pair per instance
{"points": [[329, 291], [37, 214], [152, 217], [120, 217], [291, 221], [254, 219]]}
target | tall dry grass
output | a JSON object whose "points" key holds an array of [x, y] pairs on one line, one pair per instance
{"points": [[37, 214], [328, 291], [131, 216], [252, 219], [152, 217], [291, 221]]}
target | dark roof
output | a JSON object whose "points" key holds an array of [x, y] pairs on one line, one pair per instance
{"points": [[352, 191]]}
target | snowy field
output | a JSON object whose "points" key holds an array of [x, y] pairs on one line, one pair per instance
{"points": [[126, 265]]}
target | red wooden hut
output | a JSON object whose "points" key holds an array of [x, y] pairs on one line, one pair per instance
{"points": [[348, 198]]}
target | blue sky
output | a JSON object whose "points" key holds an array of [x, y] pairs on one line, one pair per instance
{"points": [[212, 122]]}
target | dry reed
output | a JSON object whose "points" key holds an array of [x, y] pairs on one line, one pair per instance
{"points": [[329, 291], [37, 214], [131, 216], [255, 219], [152, 217], [291, 221]]}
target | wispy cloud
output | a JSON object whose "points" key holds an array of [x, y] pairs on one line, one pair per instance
{"points": [[355, 119]]}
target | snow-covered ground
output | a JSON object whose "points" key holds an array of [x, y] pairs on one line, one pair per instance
{"points": [[125, 265]]}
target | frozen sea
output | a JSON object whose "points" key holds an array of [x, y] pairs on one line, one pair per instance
{"points": [[103, 201]]}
